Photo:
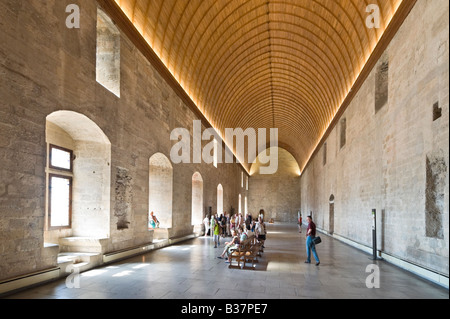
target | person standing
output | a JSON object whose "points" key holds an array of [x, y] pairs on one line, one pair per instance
{"points": [[260, 230], [233, 222], [206, 222], [300, 223], [227, 216], [261, 214], [239, 220], [248, 221], [216, 234], [310, 235], [223, 225], [213, 224]]}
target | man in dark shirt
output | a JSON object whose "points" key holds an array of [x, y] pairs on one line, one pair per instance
{"points": [[310, 235]]}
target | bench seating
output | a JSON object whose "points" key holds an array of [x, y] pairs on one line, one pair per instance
{"points": [[248, 251], [253, 252], [237, 255]]}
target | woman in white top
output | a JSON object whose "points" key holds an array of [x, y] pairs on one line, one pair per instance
{"points": [[260, 230], [206, 222]]}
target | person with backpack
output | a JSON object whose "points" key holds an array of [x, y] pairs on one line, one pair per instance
{"points": [[310, 246]]}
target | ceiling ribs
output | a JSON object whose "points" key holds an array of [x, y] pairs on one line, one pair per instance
{"points": [[293, 64]]}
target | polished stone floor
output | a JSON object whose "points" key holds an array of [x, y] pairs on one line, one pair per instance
{"points": [[191, 270]]}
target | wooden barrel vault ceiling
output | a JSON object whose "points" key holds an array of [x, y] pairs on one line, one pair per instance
{"points": [[286, 64]]}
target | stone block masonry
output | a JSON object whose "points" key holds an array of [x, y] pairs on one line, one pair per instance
{"points": [[124, 198], [396, 157], [46, 68]]}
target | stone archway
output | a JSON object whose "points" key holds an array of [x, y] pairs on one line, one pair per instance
{"points": [[160, 189], [91, 179], [219, 199], [197, 202]]}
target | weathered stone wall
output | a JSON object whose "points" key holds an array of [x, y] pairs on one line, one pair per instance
{"points": [[46, 67], [278, 194], [395, 160]]}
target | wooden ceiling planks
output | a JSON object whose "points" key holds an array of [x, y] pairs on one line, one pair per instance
{"points": [[265, 63]]}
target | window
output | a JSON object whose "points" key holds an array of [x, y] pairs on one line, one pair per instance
{"points": [[220, 199], [80, 152], [108, 53], [60, 201], [343, 137], [240, 204], [437, 111], [60, 187], [324, 159], [246, 205], [242, 179], [161, 189], [382, 83], [61, 158], [197, 199], [215, 153], [246, 186]]}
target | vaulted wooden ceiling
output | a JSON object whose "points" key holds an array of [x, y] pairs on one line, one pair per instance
{"points": [[286, 64]]}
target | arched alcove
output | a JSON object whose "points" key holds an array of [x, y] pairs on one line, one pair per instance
{"points": [[219, 199], [331, 215], [240, 204], [160, 189], [197, 199], [73, 133]]}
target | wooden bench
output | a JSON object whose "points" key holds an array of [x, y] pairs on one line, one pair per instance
{"points": [[238, 254], [251, 255], [259, 245], [248, 251], [255, 250]]}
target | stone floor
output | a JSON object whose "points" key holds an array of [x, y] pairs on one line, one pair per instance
{"points": [[191, 270]]}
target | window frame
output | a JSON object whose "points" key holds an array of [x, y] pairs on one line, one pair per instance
{"points": [[70, 179], [216, 157], [343, 133], [51, 147]]}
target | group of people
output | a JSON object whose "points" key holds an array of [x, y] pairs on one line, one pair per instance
{"points": [[241, 234], [239, 229], [236, 226], [223, 224]]}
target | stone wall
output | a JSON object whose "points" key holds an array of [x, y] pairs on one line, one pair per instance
{"points": [[278, 194], [46, 67], [396, 155]]}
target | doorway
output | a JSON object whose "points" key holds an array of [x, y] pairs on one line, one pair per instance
{"points": [[331, 221]]}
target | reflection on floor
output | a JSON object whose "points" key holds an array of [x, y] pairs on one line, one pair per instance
{"points": [[191, 270]]}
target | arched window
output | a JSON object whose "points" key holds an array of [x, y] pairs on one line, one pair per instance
{"points": [[220, 199], [246, 205], [240, 204], [216, 153], [78, 178], [160, 189], [197, 199]]}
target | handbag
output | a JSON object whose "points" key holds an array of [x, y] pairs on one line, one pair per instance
{"points": [[317, 240]]}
